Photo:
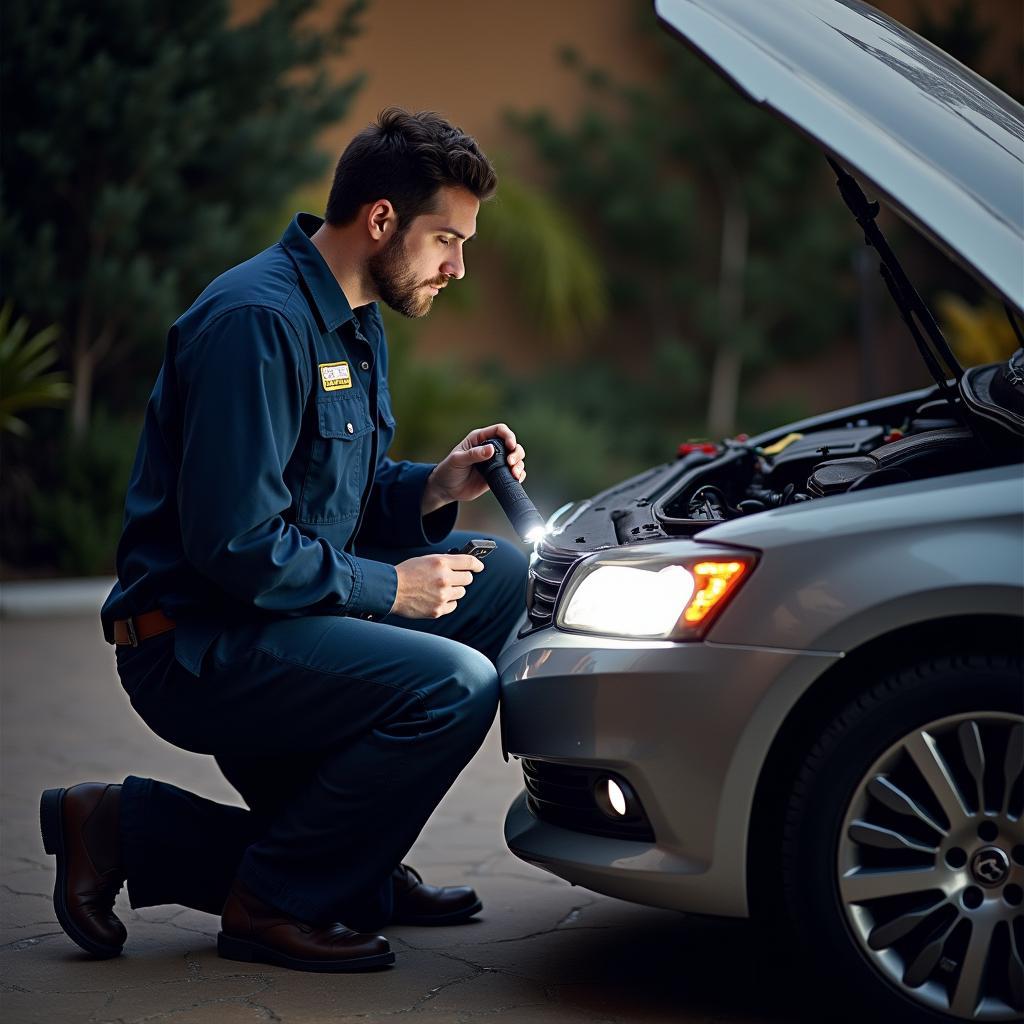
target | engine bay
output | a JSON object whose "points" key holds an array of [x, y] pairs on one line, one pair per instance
{"points": [[911, 437], [907, 437], [801, 466]]}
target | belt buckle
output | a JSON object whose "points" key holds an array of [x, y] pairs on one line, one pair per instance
{"points": [[133, 637]]}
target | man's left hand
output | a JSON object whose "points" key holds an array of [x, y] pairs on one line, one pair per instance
{"points": [[455, 479]]}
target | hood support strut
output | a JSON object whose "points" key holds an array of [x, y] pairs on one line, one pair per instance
{"points": [[905, 295]]}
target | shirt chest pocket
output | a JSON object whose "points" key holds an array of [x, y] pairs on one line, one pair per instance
{"points": [[339, 458]]}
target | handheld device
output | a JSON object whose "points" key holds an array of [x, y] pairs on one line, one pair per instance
{"points": [[481, 547], [514, 501]]}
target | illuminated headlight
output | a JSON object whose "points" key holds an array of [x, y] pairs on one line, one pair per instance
{"points": [[624, 593]]}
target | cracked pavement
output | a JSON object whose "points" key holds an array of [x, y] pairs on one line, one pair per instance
{"points": [[541, 952]]}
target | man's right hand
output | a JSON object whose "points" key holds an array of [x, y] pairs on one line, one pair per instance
{"points": [[432, 585]]}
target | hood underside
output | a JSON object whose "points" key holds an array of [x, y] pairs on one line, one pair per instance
{"points": [[944, 147]]}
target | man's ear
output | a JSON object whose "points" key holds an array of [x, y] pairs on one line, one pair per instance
{"points": [[381, 220]]}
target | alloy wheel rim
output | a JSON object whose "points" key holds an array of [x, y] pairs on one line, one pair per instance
{"points": [[931, 865]]}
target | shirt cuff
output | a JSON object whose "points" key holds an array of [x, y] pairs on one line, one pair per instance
{"points": [[434, 526], [439, 523], [376, 596]]}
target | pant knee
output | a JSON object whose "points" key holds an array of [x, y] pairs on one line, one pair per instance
{"points": [[467, 691], [479, 680], [484, 689]]}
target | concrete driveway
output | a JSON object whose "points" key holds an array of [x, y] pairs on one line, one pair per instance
{"points": [[542, 951]]}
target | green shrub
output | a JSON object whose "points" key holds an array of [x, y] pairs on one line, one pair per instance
{"points": [[78, 518]]}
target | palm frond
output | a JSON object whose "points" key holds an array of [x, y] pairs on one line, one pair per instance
{"points": [[560, 278], [23, 359]]}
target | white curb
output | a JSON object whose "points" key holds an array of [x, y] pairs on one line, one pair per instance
{"points": [[24, 599]]}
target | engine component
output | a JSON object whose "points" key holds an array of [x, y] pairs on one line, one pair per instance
{"points": [[796, 460], [779, 446], [996, 391], [929, 453], [710, 504]]}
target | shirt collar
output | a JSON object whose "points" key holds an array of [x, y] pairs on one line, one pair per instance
{"points": [[328, 299]]}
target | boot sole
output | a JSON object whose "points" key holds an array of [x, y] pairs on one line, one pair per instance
{"points": [[231, 948], [51, 827], [455, 917]]}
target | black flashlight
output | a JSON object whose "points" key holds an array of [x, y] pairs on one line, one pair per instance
{"points": [[514, 501]]}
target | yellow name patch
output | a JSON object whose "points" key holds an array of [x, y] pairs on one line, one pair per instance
{"points": [[335, 376]]}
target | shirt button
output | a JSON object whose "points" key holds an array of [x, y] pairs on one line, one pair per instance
{"points": [[350, 428], [364, 365]]}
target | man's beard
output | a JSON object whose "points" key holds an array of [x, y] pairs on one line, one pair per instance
{"points": [[395, 282]]}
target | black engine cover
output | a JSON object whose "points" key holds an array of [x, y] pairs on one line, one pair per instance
{"points": [[927, 454]]}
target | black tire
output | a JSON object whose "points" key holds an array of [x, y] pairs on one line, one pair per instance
{"points": [[830, 778]]}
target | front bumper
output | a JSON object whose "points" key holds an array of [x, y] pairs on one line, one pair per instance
{"points": [[687, 725]]}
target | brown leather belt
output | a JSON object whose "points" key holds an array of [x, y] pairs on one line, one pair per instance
{"points": [[133, 631]]}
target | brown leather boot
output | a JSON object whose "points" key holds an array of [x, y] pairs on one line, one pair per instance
{"points": [[81, 827], [419, 903], [256, 932]]}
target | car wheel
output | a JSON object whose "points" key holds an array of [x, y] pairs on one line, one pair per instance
{"points": [[903, 849]]}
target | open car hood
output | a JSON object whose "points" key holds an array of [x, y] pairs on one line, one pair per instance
{"points": [[944, 146]]}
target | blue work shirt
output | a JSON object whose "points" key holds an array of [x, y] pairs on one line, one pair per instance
{"points": [[262, 459]]}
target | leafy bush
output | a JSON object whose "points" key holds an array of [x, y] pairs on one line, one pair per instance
{"points": [[78, 517], [150, 147], [709, 217]]}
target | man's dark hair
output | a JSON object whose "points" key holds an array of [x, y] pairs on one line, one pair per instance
{"points": [[405, 158]]}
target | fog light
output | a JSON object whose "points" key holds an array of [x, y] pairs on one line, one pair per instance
{"points": [[615, 798]]}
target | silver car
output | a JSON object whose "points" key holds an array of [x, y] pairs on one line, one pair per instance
{"points": [[783, 675]]}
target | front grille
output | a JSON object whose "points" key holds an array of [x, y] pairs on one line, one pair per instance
{"points": [[563, 795], [547, 570]]}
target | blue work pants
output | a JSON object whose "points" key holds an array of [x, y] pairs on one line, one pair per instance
{"points": [[342, 736]]}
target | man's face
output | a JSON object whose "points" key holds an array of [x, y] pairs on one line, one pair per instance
{"points": [[418, 262]]}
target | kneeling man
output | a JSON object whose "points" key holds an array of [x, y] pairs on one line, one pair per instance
{"points": [[286, 600]]}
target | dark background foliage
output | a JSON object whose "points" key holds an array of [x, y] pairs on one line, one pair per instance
{"points": [[673, 244], [147, 147]]}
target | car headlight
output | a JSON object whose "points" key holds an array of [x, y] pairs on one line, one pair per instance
{"points": [[651, 595]]}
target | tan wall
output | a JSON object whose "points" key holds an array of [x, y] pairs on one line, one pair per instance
{"points": [[474, 59]]}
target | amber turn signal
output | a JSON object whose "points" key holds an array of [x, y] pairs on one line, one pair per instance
{"points": [[713, 581]]}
